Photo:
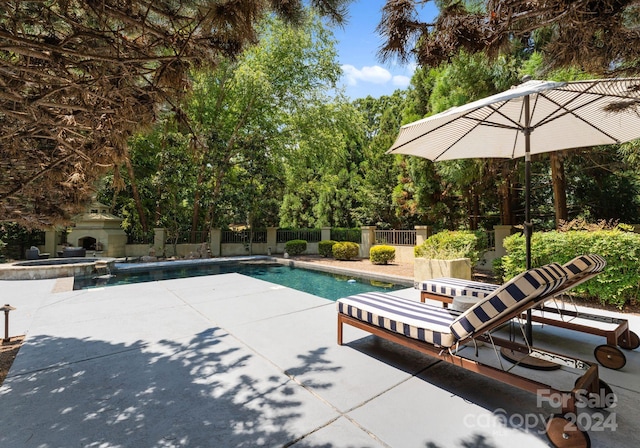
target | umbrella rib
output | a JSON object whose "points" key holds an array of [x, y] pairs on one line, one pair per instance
{"points": [[549, 118], [516, 126], [435, 159], [479, 122]]}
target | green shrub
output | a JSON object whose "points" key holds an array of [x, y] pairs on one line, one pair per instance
{"points": [[498, 269], [617, 285], [345, 250], [295, 247], [382, 254], [325, 247], [449, 245]]}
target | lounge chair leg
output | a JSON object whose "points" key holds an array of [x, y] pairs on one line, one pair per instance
{"points": [[339, 330]]}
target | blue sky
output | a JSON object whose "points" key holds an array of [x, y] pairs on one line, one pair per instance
{"points": [[358, 45]]}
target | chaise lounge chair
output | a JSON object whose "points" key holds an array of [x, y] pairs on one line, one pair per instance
{"points": [[439, 332], [580, 269]]}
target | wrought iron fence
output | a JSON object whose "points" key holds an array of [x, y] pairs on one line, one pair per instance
{"points": [[309, 235], [140, 239], [490, 236], [396, 237], [188, 237], [244, 236], [353, 235]]}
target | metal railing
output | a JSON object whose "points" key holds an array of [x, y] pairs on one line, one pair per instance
{"points": [[309, 235], [139, 239], [396, 237], [490, 235], [244, 236], [188, 237], [353, 235]]}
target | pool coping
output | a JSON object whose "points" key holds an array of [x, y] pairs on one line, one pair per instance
{"points": [[404, 281], [366, 275]]}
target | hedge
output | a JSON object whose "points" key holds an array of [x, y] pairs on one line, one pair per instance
{"points": [[325, 247], [345, 250], [616, 285], [452, 244], [295, 247], [382, 254]]}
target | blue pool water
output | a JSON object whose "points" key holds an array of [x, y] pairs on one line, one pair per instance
{"points": [[329, 286]]}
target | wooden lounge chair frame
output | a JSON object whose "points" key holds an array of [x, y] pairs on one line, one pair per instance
{"points": [[561, 431], [609, 355]]}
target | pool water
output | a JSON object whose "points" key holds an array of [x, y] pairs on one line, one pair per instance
{"points": [[322, 284]]}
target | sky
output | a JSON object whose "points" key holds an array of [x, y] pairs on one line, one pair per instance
{"points": [[358, 44]]}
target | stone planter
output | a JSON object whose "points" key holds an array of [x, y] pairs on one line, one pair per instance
{"points": [[427, 268]]}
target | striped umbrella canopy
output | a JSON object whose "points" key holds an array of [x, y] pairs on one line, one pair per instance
{"points": [[534, 117]]}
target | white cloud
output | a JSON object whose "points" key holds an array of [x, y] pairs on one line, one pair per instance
{"points": [[375, 74], [401, 81]]}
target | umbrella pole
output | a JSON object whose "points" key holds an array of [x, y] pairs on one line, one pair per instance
{"points": [[522, 358], [528, 226], [528, 229]]}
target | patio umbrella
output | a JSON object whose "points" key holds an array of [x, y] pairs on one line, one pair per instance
{"points": [[534, 117]]}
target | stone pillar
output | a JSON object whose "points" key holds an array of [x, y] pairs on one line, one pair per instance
{"points": [[422, 233], [326, 234], [272, 240], [367, 240], [159, 239], [51, 243], [501, 232], [215, 242]]}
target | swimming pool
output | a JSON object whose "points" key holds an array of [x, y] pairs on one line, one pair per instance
{"points": [[328, 285]]}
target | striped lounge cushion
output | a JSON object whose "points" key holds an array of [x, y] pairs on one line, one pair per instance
{"points": [[413, 319], [451, 287], [512, 297], [580, 266], [585, 264]]}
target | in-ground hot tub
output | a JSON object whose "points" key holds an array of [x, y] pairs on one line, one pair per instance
{"points": [[53, 268]]}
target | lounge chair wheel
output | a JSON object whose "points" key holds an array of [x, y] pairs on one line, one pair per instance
{"points": [[563, 433], [632, 343], [604, 393], [610, 356]]}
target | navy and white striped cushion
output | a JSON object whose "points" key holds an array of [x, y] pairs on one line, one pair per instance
{"points": [[413, 319], [451, 287], [585, 264], [510, 298]]}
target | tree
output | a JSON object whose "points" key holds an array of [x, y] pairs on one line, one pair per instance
{"points": [[238, 124], [80, 77], [381, 119], [600, 36], [458, 193], [322, 169]]}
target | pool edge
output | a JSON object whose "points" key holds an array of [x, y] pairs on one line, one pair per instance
{"points": [[399, 280]]}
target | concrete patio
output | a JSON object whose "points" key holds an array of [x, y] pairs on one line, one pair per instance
{"points": [[232, 361]]}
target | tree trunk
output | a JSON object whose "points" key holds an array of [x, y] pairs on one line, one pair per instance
{"points": [[559, 183], [507, 196], [476, 210], [134, 191], [195, 218]]}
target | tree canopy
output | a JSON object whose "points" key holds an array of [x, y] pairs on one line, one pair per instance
{"points": [[78, 78], [221, 158], [600, 36]]}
